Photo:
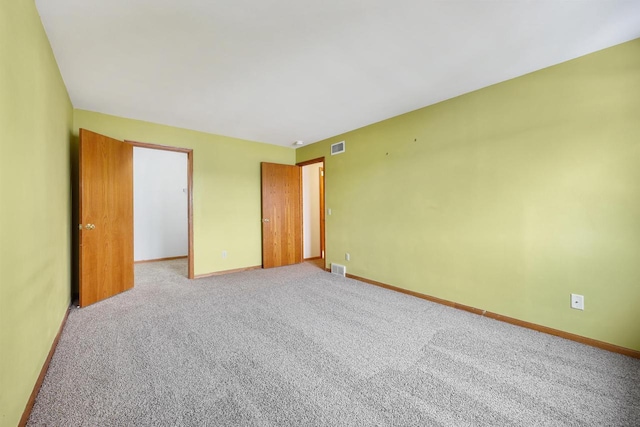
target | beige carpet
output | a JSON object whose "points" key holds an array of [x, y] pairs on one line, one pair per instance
{"points": [[296, 346]]}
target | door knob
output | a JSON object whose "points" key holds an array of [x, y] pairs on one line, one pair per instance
{"points": [[87, 226], [265, 220]]}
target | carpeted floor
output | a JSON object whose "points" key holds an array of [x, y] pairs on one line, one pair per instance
{"points": [[296, 346]]}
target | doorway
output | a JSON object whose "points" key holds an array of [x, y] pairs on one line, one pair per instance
{"points": [[169, 203], [283, 237], [105, 215], [313, 211]]}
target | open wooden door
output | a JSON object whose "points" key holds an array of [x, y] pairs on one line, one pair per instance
{"points": [[281, 215], [106, 217]]}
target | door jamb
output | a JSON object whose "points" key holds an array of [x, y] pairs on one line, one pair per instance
{"points": [[189, 153], [323, 236]]}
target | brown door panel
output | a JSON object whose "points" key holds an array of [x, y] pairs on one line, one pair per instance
{"points": [[281, 215], [106, 217]]}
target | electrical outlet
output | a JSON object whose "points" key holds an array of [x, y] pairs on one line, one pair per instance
{"points": [[224, 254], [577, 301], [347, 256]]}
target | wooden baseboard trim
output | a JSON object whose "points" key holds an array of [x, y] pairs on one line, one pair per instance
{"points": [[43, 372], [160, 259], [313, 258], [522, 323], [220, 273]]}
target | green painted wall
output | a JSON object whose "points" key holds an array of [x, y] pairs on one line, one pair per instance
{"points": [[506, 199], [35, 124], [226, 186]]}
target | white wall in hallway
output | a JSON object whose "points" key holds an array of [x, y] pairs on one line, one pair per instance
{"points": [[159, 204], [311, 209]]}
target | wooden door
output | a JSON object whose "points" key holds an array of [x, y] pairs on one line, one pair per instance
{"points": [[281, 215], [106, 217]]}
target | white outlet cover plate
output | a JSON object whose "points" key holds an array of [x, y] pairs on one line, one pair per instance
{"points": [[577, 301]]}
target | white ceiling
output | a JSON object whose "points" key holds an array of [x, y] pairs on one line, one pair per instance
{"points": [[277, 71]]}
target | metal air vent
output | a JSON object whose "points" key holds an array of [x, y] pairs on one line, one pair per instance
{"points": [[338, 269], [337, 148]]}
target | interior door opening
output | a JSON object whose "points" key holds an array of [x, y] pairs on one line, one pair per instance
{"points": [[163, 203], [160, 218], [105, 212], [313, 210]]}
